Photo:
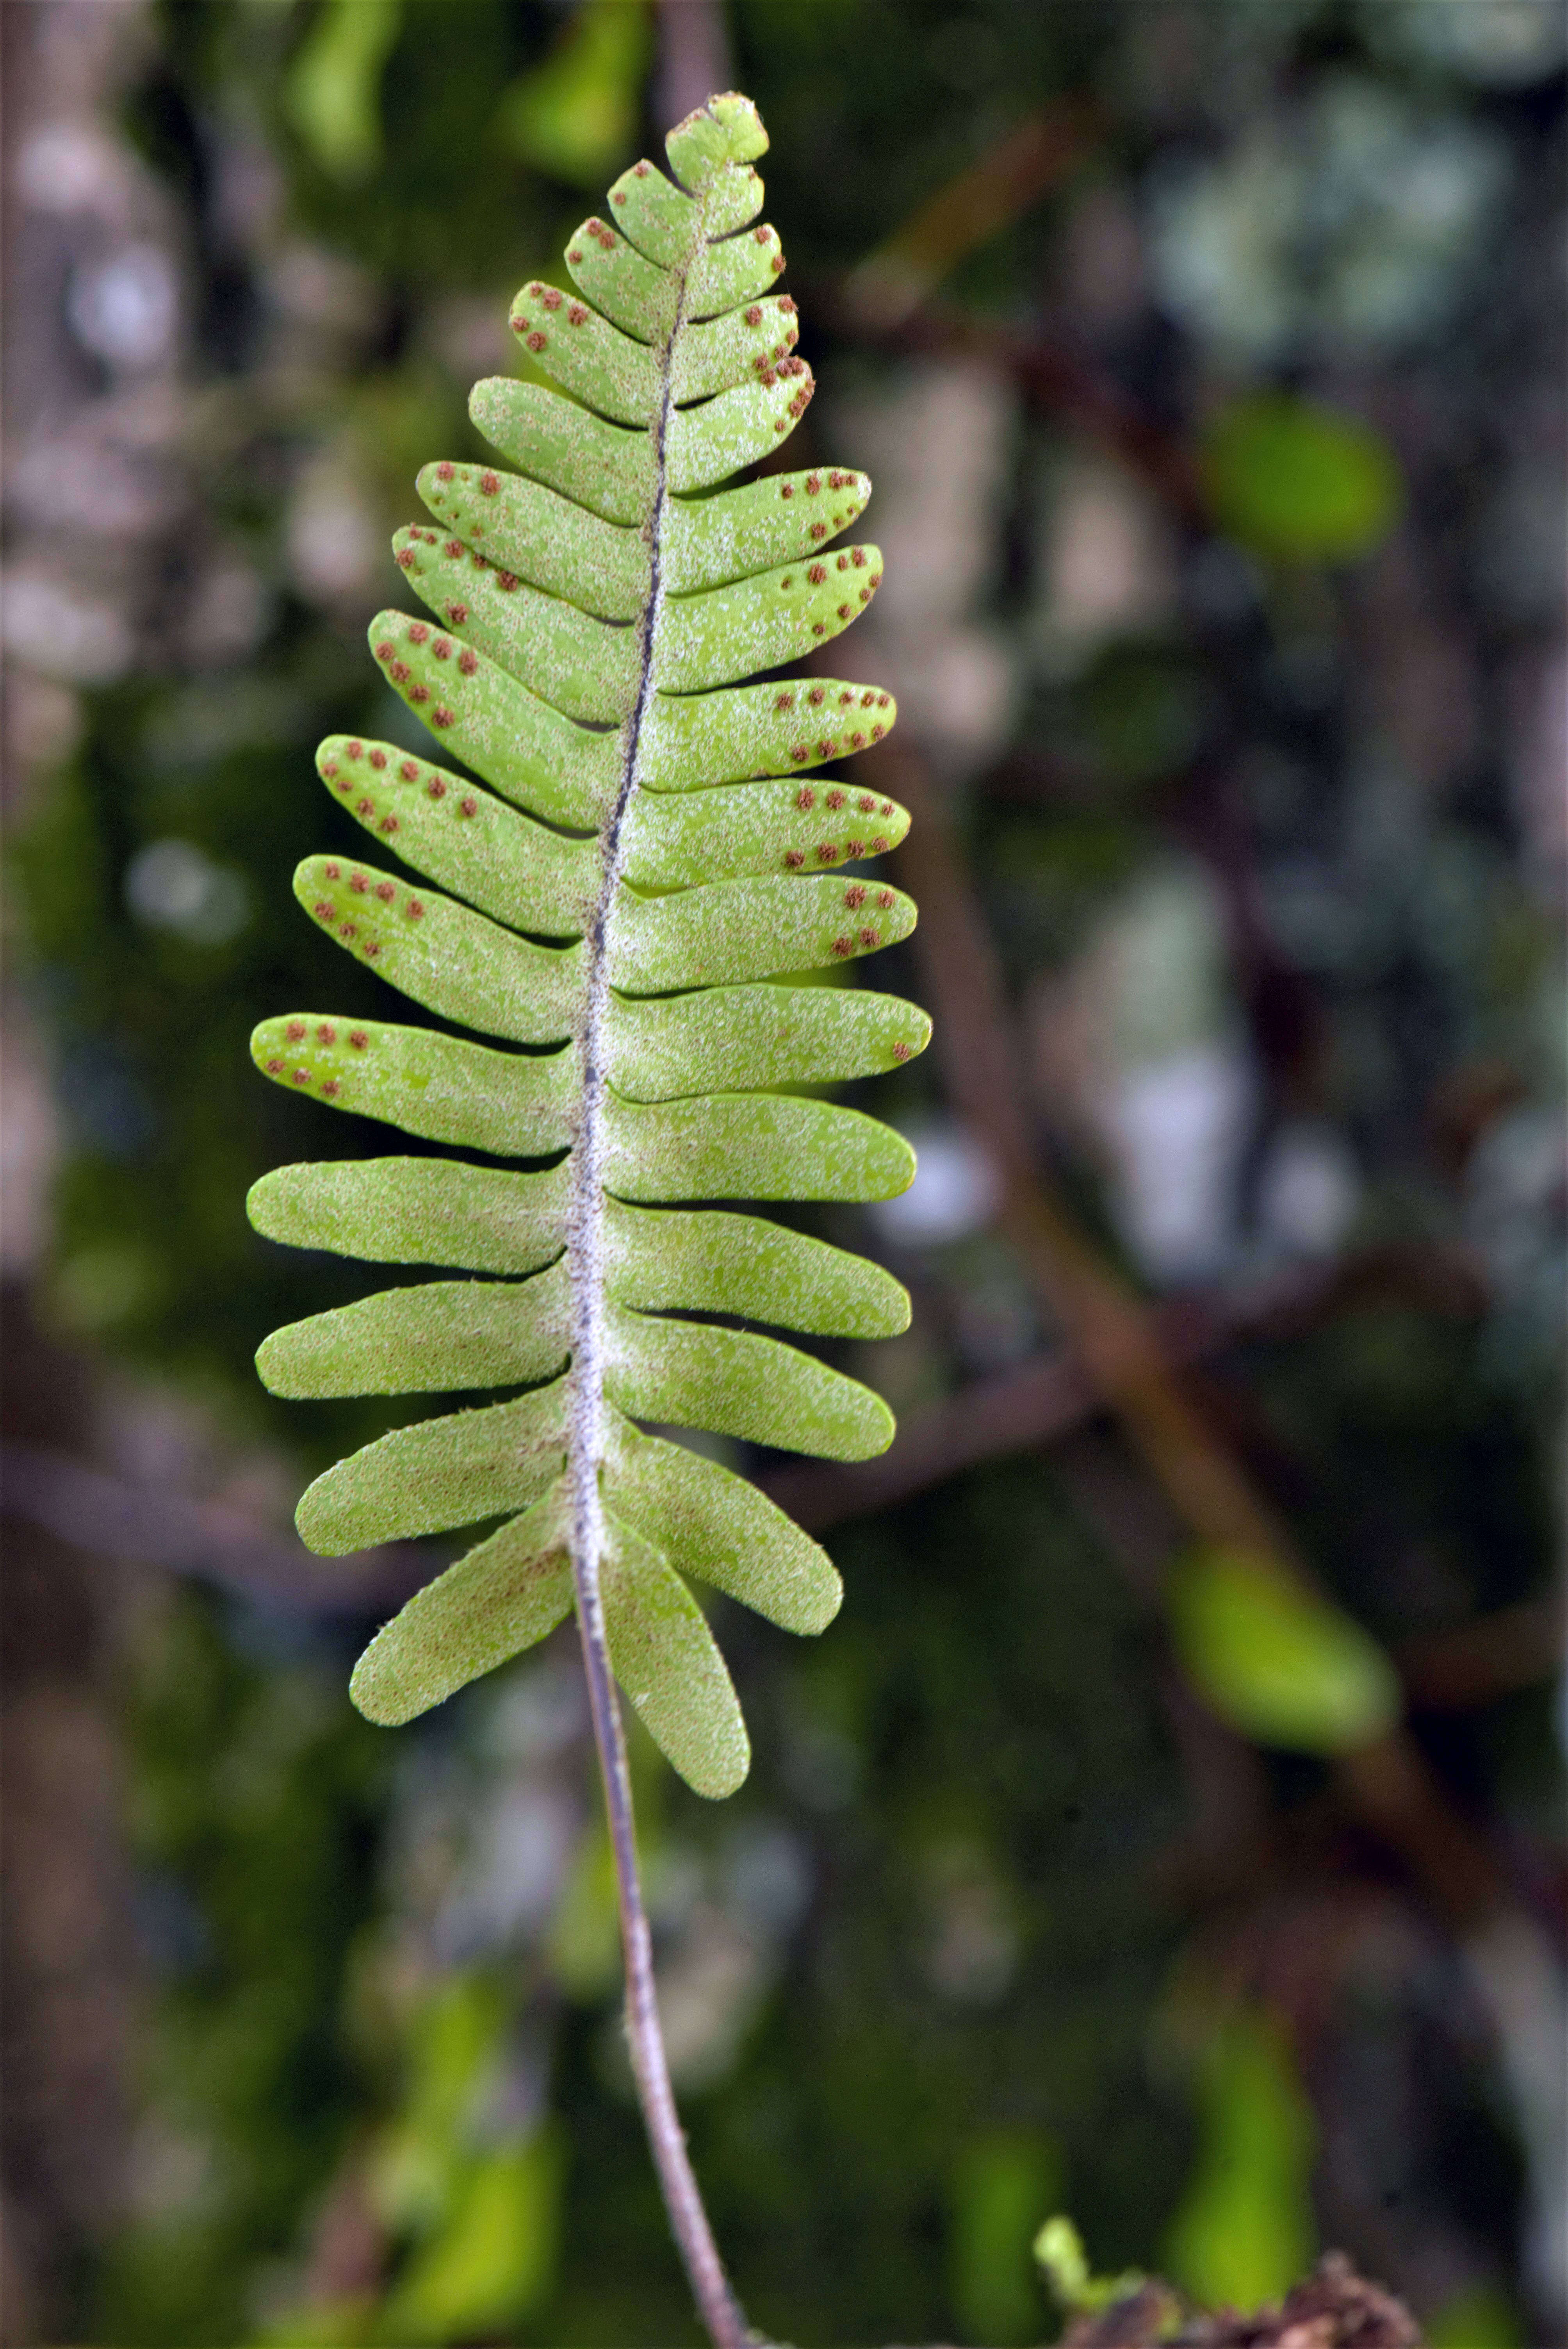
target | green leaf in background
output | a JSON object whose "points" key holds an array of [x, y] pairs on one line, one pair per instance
{"points": [[478, 2196], [1245, 2231], [1275, 1662], [1059, 2249], [1299, 482], [332, 94], [999, 2184], [574, 114], [494, 2255]]}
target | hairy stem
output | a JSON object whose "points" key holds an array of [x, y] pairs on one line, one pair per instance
{"points": [[688, 2219]]}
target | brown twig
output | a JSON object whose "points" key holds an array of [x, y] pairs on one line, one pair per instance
{"points": [[1115, 1340], [1046, 1398], [1035, 155], [1048, 372], [111, 1517]]}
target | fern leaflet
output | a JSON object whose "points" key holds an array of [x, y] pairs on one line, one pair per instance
{"points": [[656, 854]]}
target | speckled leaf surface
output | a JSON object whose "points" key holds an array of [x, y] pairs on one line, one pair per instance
{"points": [[523, 873], [505, 1596], [673, 1260], [612, 921], [442, 1336], [679, 841], [602, 467], [732, 1039], [586, 667], [690, 741], [442, 1472], [667, 1661], [785, 518], [721, 1528], [417, 1211], [514, 1104]]}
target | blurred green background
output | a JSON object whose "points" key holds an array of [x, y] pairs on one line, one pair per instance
{"points": [[1207, 358]]}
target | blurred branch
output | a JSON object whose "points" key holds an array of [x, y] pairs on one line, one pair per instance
{"points": [[885, 299], [111, 1517], [1042, 1400], [1474, 1663], [1048, 372], [694, 57], [1118, 1343], [1035, 155]]}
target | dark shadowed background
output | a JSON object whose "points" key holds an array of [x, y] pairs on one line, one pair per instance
{"points": [[1168, 1831]]}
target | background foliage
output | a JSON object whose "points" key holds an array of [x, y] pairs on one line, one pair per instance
{"points": [[1206, 358]]}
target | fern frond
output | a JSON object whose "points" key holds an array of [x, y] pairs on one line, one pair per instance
{"points": [[657, 853]]}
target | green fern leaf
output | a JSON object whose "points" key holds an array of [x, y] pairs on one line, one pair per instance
{"points": [[652, 853]]}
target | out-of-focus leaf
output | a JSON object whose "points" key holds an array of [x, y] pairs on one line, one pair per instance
{"points": [[1244, 2230], [1299, 481], [494, 2256], [1276, 1663], [573, 115], [1059, 2248], [451, 2056], [999, 2184], [334, 91]]}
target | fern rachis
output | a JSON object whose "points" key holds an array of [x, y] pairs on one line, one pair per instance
{"points": [[658, 853]]}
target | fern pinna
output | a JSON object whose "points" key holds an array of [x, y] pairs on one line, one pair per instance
{"points": [[659, 852]]}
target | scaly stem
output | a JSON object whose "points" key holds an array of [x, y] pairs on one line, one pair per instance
{"points": [[717, 2304]]}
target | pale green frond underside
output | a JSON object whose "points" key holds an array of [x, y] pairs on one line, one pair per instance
{"points": [[593, 608]]}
